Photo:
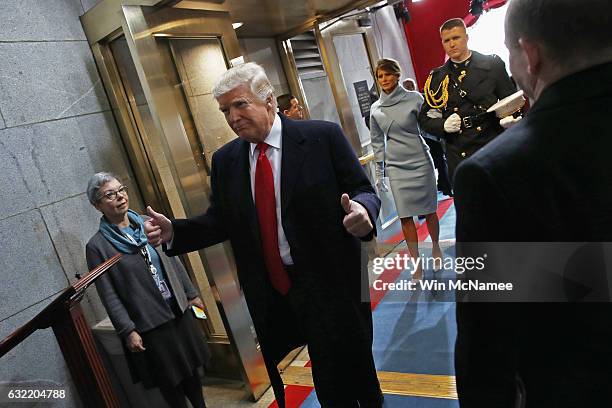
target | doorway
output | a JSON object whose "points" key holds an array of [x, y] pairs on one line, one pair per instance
{"points": [[157, 69]]}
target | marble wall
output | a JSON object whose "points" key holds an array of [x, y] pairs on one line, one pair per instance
{"points": [[56, 130]]}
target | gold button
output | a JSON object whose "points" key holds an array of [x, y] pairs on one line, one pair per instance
{"points": [[456, 109], [479, 128], [462, 154]]}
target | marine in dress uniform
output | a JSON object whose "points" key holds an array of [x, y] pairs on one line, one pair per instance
{"points": [[458, 94]]}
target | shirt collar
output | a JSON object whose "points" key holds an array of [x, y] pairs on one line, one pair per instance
{"points": [[464, 61], [274, 137]]}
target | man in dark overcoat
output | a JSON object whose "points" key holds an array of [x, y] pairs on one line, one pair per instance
{"points": [[458, 94], [527, 186], [295, 204]]}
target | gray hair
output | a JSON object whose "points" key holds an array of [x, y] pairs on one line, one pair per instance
{"points": [[250, 74], [568, 30], [95, 182]]}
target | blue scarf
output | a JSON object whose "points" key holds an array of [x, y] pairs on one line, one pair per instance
{"points": [[114, 235]]}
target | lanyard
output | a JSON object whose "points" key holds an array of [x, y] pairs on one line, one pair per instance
{"points": [[144, 251], [159, 282]]}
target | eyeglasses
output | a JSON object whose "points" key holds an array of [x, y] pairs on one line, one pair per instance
{"points": [[112, 194]]}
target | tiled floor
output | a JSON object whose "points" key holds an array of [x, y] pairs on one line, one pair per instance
{"points": [[230, 394]]}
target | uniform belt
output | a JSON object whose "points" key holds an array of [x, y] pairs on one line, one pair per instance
{"points": [[475, 120]]}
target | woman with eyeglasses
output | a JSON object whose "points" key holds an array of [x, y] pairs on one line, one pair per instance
{"points": [[147, 296]]}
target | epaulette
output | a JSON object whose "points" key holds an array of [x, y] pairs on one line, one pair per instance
{"points": [[439, 98]]}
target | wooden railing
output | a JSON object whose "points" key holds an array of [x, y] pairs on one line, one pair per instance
{"points": [[65, 316]]}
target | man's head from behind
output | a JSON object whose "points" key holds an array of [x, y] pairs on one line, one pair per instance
{"points": [[409, 84], [289, 106], [246, 98], [455, 39], [550, 39]]}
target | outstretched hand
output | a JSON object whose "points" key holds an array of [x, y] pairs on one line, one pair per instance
{"points": [[357, 220], [158, 228]]}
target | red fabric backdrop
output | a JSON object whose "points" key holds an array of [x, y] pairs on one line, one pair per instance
{"points": [[489, 5], [422, 32]]}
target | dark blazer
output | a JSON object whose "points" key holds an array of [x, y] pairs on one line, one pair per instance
{"points": [[128, 292], [546, 179], [486, 82], [318, 165]]}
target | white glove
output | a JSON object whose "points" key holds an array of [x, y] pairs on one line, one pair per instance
{"points": [[452, 124], [380, 172], [509, 121]]}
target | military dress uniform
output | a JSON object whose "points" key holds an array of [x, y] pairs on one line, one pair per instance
{"points": [[467, 89]]}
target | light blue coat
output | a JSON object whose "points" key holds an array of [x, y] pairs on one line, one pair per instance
{"points": [[397, 142]]}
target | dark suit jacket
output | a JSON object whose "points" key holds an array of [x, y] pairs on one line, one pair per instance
{"points": [[546, 179], [318, 165]]}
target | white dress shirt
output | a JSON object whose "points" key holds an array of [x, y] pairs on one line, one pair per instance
{"points": [[274, 155]]}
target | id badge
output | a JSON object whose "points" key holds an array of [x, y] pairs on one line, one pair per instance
{"points": [[165, 290]]}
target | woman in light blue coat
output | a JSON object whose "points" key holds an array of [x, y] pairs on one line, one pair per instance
{"points": [[403, 156]]}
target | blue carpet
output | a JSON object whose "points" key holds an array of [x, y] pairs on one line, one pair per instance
{"points": [[415, 331], [396, 401]]}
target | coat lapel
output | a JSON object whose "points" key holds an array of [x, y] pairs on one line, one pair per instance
{"points": [[477, 72], [294, 152], [243, 193]]}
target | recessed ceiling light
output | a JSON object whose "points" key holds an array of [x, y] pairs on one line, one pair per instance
{"points": [[237, 25]]}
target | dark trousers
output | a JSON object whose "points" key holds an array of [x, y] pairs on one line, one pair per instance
{"points": [[340, 350], [439, 159]]}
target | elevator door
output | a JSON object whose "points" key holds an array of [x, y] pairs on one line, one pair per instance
{"points": [[355, 66], [199, 63], [159, 74], [303, 49]]}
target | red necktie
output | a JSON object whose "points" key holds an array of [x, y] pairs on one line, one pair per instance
{"points": [[265, 201]]}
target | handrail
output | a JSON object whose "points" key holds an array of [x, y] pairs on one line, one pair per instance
{"points": [[42, 320]]}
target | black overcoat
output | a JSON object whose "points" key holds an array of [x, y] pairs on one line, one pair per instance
{"points": [[318, 166], [548, 179]]}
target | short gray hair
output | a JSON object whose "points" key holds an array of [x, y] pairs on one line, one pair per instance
{"points": [[566, 29], [95, 182], [250, 74]]}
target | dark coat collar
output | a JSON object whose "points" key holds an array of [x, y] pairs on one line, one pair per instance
{"points": [[477, 60], [294, 152], [577, 88]]}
